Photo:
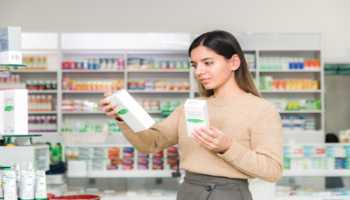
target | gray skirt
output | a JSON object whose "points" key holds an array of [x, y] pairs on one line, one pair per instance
{"points": [[205, 187]]}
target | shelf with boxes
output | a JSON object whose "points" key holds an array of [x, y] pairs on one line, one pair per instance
{"points": [[87, 72], [103, 161], [40, 78], [293, 81], [317, 160], [158, 81]]}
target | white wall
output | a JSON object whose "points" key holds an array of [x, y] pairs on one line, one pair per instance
{"points": [[329, 17]]}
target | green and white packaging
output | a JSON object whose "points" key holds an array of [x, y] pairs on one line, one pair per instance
{"points": [[196, 114], [15, 112], [130, 111]]}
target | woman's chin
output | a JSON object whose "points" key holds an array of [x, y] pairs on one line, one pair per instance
{"points": [[208, 87]]}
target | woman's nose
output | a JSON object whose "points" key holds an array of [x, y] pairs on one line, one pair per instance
{"points": [[199, 70]]}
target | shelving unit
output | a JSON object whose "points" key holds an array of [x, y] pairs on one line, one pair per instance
{"points": [[137, 47], [313, 172], [122, 161]]}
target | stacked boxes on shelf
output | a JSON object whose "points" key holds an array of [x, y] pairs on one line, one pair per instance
{"points": [[35, 62], [158, 64], [92, 86], [94, 63], [79, 105], [289, 63], [122, 158], [316, 157], [269, 83]]}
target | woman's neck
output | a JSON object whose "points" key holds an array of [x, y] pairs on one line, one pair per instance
{"points": [[229, 89]]}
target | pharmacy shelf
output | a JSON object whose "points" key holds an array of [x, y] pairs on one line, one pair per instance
{"points": [[156, 71], [291, 71], [290, 91], [316, 197], [43, 91], [82, 92], [98, 112], [34, 71], [82, 113], [316, 172], [160, 92], [42, 112], [301, 112], [131, 173], [300, 136], [92, 71], [135, 195], [42, 132], [12, 86]]}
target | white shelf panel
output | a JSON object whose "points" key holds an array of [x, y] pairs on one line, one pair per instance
{"points": [[82, 92], [288, 131], [82, 113], [291, 71], [156, 71], [97, 112], [12, 86], [132, 173], [301, 112], [161, 92], [93, 71], [299, 197], [315, 172], [290, 91], [41, 112], [124, 174], [303, 136], [34, 71], [136, 196], [42, 91]]}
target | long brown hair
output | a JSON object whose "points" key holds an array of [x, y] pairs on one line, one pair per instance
{"points": [[225, 44]]}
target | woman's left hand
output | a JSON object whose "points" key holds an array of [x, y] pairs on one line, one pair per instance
{"points": [[212, 139]]}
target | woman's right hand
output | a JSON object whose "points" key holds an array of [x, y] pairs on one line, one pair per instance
{"points": [[108, 108]]}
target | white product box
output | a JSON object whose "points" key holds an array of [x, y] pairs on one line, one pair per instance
{"points": [[196, 114], [130, 111], [11, 58], [15, 112]]}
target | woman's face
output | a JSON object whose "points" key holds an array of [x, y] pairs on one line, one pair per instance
{"points": [[211, 69]]}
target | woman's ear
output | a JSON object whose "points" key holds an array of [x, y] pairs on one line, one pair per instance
{"points": [[235, 62]]}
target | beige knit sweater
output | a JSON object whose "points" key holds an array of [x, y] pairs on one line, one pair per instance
{"points": [[252, 122]]}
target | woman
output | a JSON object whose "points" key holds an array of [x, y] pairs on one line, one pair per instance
{"points": [[244, 139]]}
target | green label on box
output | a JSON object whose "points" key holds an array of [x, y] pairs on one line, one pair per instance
{"points": [[8, 108], [122, 111], [196, 121]]}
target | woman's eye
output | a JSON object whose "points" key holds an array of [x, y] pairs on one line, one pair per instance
{"points": [[194, 66], [208, 63]]}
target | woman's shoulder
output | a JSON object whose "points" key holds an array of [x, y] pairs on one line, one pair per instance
{"points": [[260, 103]]}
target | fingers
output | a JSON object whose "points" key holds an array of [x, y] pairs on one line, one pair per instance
{"points": [[107, 94], [104, 102], [202, 135], [108, 108], [112, 113], [200, 140]]}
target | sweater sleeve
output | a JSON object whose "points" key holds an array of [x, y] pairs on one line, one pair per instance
{"points": [[156, 138], [265, 159]]}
